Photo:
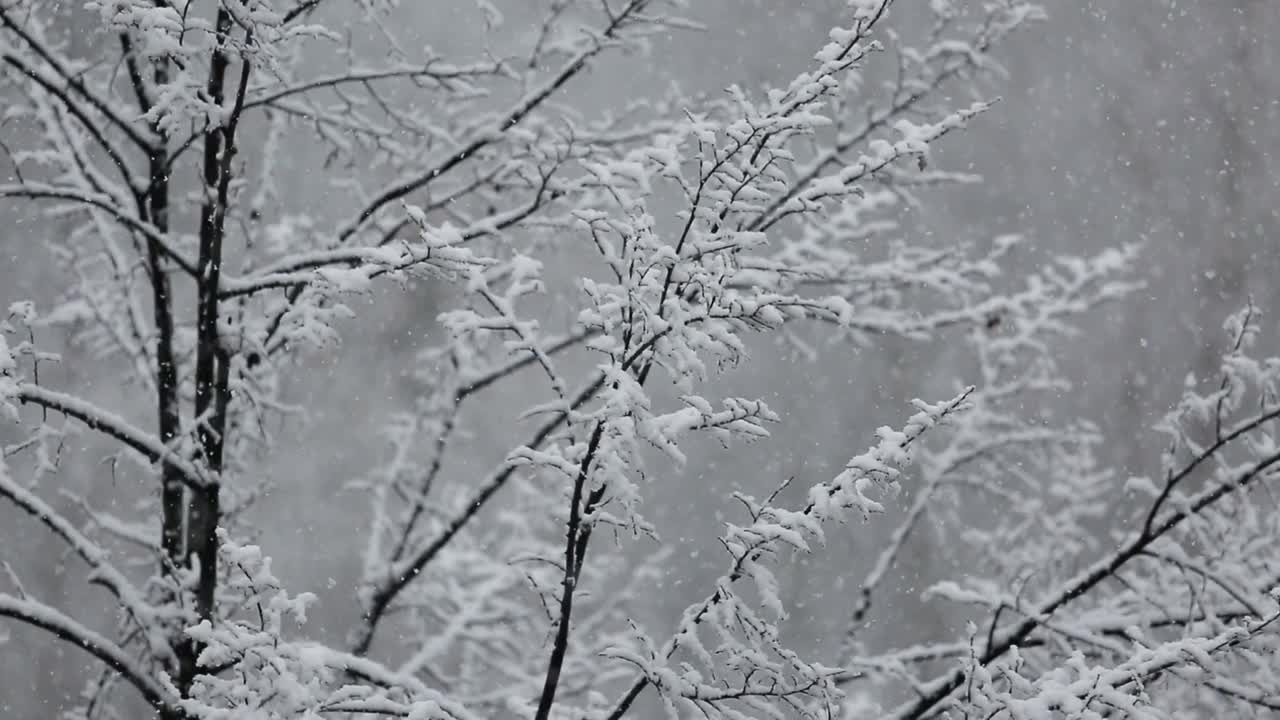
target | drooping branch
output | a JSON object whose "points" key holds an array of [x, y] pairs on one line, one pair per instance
{"points": [[40, 191], [46, 618], [115, 427], [103, 572]]}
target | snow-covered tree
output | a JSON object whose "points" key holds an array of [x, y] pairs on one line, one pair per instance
{"points": [[674, 233]]}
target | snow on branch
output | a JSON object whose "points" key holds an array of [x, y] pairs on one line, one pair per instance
{"points": [[27, 610], [595, 274], [749, 653], [1152, 561], [148, 618], [66, 629], [109, 424]]}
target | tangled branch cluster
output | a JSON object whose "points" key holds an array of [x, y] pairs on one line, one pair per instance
{"points": [[511, 591]]}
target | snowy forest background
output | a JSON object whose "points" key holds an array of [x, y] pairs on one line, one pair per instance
{"points": [[1121, 121]]}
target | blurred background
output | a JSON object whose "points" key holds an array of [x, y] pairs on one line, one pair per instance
{"points": [[1121, 120]]}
